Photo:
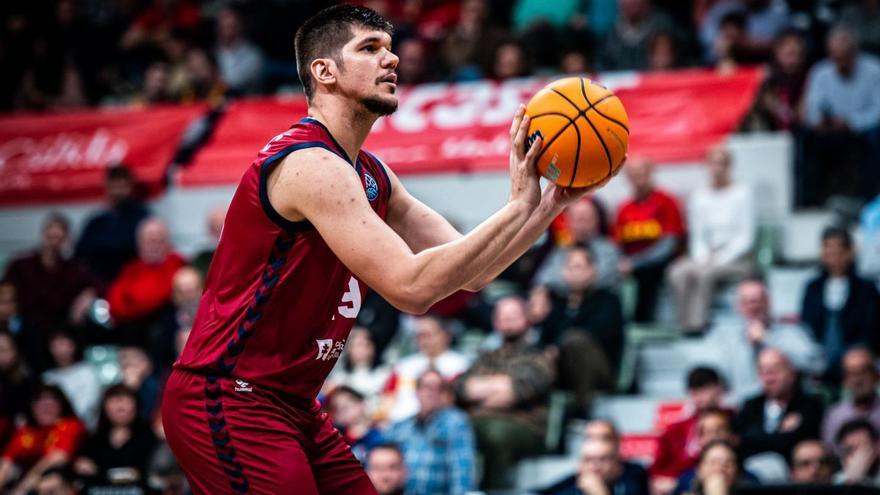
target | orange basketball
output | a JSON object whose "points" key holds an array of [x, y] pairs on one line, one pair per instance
{"points": [[584, 129]]}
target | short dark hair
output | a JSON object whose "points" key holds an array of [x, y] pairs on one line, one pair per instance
{"points": [[736, 18], [581, 246], [57, 218], [324, 34], [716, 411], [855, 425], [386, 446], [345, 389], [839, 233], [118, 171], [703, 376]]}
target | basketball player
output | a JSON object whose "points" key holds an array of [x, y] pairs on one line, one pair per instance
{"points": [[314, 222]]}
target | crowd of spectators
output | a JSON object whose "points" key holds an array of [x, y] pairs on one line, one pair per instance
{"points": [[451, 401]]}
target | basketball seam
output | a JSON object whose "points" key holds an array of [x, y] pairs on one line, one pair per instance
{"points": [[596, 131], [592, 106], [604, 146], [545, 147]]}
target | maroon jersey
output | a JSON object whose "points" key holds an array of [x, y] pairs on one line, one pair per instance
{"points": [[278, 304]]}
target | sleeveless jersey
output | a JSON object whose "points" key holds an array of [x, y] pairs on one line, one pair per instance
{"points": [[278, 304]]}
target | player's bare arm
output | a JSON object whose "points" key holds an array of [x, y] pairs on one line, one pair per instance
{"points": [[317, 185]]}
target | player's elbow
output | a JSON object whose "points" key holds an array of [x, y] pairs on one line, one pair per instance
{"points": [[412, 298]]}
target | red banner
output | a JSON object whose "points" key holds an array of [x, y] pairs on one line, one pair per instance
{"points": [[62, 157], [674, 117]]}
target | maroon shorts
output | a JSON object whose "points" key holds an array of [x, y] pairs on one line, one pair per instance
{"points": [[231, 437]]}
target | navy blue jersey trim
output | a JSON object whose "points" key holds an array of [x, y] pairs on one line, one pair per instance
{"points": [[339, 149], [221, 437], [270, 211], [381, 169]]}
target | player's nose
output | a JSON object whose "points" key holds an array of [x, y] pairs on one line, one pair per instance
{"points": [[390, 60]]}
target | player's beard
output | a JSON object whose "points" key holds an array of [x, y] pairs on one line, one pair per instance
{"points": [[379, 106]]}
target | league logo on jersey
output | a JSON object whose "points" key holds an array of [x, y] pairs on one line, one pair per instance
{"points": [[372, 186], [327, 349]]}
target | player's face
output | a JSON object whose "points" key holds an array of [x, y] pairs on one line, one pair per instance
{"points": [[367, 72], [386, 470]]}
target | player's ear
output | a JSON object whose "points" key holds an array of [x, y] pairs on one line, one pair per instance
{"points": [[324, 71]]}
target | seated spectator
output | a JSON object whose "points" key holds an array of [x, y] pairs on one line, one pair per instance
{"points": [[721, 236], [56, 481], [510, 61], [78, 379], [859, 455], [718, 471], [648, 230], [842, 114], [505, 393], [437, 443], [240, 61], [202, 260], [432, 340], [663, 52], [15, 385], [756, 329], [585, 325], [29, 340], [50, 437], [119, 452], [584, 219], [602, 471], [860, 381], [863, 17], [50, 287], [467, 49], [360, 368], [777, 104], [839, 306], [187, 286], [386, 469], [203, 82], [348, 412], [782, 415], [678, 446], [626, 45], [144, 286], [140, 375], [108, 239], [164, 472], [811, 463], [762, 21]]}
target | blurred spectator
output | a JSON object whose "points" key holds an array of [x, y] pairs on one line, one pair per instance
{"points": [[860, 380], [360, 368], [626, 46], [678, 446], [869, 226], [842, 114], [527, 13], [510, 61], [413, 67], [811, 463], [730, 46], [15, 385], [202, 260], [839, 306], [782, 415], [602, 471], [77, 379], [437, 443], [156, 87], [859, 459], [348, 412], [718, 471], [433, 341], [159, 20], [240, 61], [144, 286], [119, 451], [663, 52], [186, 292], [713, 425], [648, 229], [165, 474], [506, 394], [468, 48], [29, 341], [139, 374], [721, 236], [585, 325], [762, 21], [108, 240], [56, 481], [203, 78], [863, 17], [777, 105], [757, 329], [50, 437], [52, 290], [386, 469], [584, 220]]}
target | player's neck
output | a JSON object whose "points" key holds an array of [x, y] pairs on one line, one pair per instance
{"points": [[348, 126]]}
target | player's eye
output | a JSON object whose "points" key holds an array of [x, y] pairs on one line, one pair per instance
{"points": [[369, 49]]}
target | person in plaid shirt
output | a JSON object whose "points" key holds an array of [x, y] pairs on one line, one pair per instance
{"points": [[437, 443]]}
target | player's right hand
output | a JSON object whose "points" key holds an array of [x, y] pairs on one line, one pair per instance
{"points": [[524, 179]]}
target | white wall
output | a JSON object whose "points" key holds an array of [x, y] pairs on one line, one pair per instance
{"points": [[762, 160]]}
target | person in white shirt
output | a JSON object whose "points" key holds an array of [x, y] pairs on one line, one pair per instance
{"points": [[722, 233], [77, 379]]}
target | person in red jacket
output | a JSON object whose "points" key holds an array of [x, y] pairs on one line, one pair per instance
{"points": [[143, 287], [648, 230]]}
